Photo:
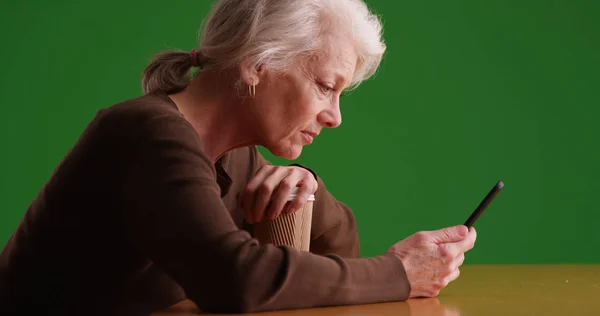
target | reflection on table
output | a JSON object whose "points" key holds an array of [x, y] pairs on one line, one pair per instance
{"points": [[480, 290]]}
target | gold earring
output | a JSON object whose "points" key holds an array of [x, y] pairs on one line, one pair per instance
{"points": [[252, 90]]}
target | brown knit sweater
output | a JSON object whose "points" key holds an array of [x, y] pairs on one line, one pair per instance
{"points": [[136, 218]]}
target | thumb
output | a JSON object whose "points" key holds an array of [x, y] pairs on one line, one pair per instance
{"points": [[450, 234]]}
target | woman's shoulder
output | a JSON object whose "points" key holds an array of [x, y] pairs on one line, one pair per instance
{"points": [[141, 109], [146, 115], [149, 125]]}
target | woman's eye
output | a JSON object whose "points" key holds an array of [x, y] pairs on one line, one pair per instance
{"points": [[325, 88]]}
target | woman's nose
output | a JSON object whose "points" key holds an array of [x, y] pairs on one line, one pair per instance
{"points": [[330, 117]]}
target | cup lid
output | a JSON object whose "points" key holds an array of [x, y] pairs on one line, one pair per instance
{"points": [[295, 192]]}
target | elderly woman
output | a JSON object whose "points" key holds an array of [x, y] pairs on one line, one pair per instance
{"points": [[148, 207]]}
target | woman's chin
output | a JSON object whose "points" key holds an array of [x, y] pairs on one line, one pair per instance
{"points": [[289, 152]]}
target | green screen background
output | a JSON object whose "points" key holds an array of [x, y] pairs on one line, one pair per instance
{"points": [[469, 93]]}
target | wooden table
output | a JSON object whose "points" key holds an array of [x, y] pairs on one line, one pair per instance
{"points": [[481, 290]]}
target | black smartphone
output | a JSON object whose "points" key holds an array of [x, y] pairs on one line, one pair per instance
{"points": [[484, 204]]}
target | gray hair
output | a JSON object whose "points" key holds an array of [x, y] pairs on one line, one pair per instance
{"points": [[272, 33]]}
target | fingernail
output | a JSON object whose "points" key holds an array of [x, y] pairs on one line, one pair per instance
{"points": [[291, 210]]}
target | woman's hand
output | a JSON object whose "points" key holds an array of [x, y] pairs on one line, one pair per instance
{"points": [[268, 191], [432, 258]]}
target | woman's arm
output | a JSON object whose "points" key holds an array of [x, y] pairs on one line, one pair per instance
{"points": [[175, 216]]}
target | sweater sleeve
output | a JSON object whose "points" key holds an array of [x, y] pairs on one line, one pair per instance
{"points": [[333, 225], [174, 215]]}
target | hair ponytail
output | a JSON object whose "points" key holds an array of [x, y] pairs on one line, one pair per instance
{"points": [[169, 71]]}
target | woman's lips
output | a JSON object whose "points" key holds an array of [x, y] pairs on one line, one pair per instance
{"points": [[308, 136]]}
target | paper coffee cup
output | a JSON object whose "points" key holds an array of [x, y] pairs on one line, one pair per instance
{"points": [[291, 229]]}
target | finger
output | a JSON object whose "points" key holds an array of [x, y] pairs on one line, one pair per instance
{"points": [[308, 179], [473, 236], [451, 251], [451, 266], [448, 253], [282, 193], [466, 244], [265, 192], [458, 261], [449, 234], [249, 193], [307, 187], [450, 277]]}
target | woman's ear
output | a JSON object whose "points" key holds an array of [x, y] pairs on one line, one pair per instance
{"points": [[251, 73]]}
